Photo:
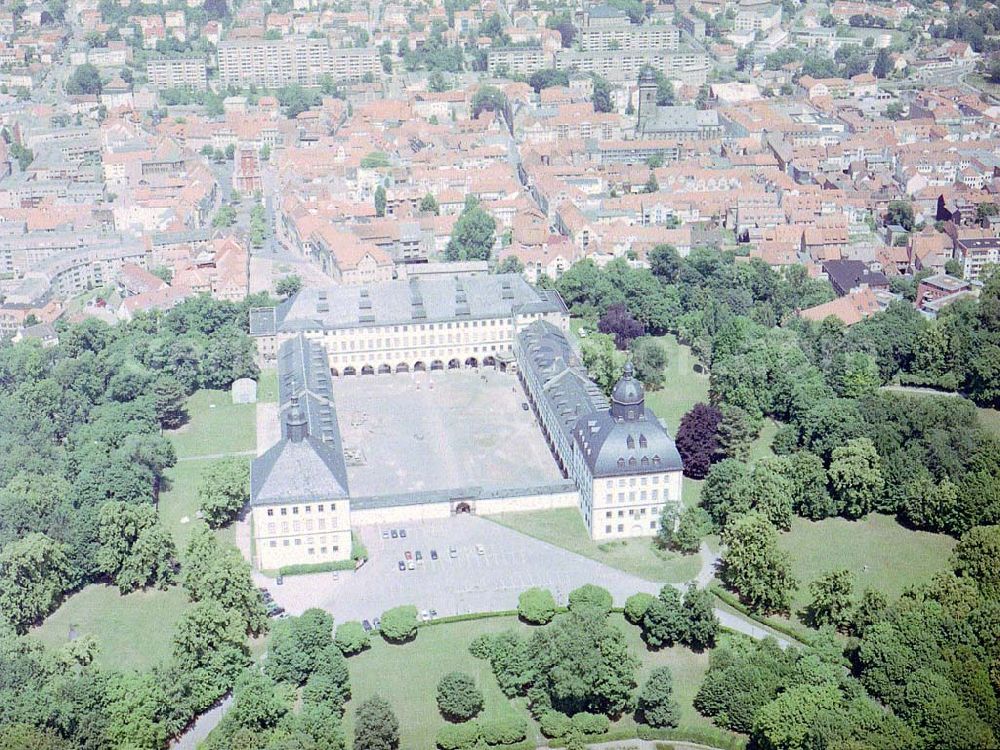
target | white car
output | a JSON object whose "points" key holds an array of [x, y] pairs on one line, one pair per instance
{"points": [[480, 549]]}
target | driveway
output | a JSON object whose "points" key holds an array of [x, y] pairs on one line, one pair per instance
{"points": [[469, 582]]}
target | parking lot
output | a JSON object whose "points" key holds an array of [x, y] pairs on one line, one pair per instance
{"points": [[470, 582]]}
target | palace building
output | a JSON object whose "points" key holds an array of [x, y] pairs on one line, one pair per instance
{"points": [[613, 459]]}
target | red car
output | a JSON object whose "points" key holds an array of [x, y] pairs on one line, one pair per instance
{"points": [[409, 555]]}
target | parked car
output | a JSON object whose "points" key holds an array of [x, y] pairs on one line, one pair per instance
{"points": [[434, 613], [408, 555], [425, 615], [452, 552], [279, 580], [377, 623], [395, 534], [410, 565], [434, 554], [480, 549], [524, 405], [385, 534], [367, 626], [402, 565], [402, 533], [419, 555]]}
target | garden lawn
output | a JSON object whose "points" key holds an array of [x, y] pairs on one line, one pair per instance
{"points": [[407, 676], [267, 386], [564, 528], [134, 631], [179, 500], [215, 426], [879, 552], [683, 387]]}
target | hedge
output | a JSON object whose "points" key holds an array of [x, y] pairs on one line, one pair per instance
{"points": [[780, 627], [459, 736], [325, 567], [708, 737]]}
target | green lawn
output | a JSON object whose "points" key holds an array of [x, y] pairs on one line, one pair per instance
{"points": [[684, 387], [407, 677], [179, 500], [761, 447], [134, 631], [215, 425], [267, 385], [990, 420], [879, 552], [564, 528]]}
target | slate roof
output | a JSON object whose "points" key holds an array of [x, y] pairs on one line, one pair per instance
{"points": [[846, 275], [400, 302], [313, 468]]}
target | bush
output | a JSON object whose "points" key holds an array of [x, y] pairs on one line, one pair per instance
{"points": [[636, 606], [459, 736], [482, 646], [505, 731], [351, 638], [555, 724], [587, 723], [536, 606], [399, 624], [590, 596], [458, 698]]}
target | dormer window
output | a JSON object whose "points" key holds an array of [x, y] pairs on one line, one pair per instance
{"points": [[630, 442], [643, 442], [621, 463], [632, 463], [645, 461], [656, 460]]}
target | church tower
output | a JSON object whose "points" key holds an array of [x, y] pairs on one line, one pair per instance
{"points": [[647, 97]]}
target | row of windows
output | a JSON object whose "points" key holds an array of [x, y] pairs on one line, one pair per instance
{"points": [[654, 495], [307, 509], [621, 527], [309, 550], [297, 526], [631, 512], [432, 340], [632, 463]]}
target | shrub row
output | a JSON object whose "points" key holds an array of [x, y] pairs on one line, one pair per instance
{"points": [[507, 733], [794, 633]]}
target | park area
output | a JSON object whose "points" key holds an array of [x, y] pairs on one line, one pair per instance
{"points": [[882, 554], [407, 677], [134, 631]]}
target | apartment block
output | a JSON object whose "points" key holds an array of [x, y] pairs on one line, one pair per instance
{"points": [[517, 60], [296, 59], [178, 72], [655, 37]]}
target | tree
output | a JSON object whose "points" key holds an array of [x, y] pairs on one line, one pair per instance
{"points": [[429, 205], [380, 201], [883, 64], [894, 110], [754, 566], [736, 432], [563, 23], [85, 80], [637, 605], [458, 698], [603, 361], [351, 638], [399, 624], [296, 100], [618, 322], [376, 726], [854, 374], [656, 706], [977, 556], [665, 263], [135, 550], [664, 622], [901, 213], [543, 79], [288, 286], [210, 644], [699, 614], [832, 602], [602, 95], [787, 721], [511, 264], [590, 598], [723, 495], [810, 496], [697, 439], [34, 573], [224, 491], [650, 360], [652, 186], [473, 236], [488, 99], [856, 477], [297, 645], [536, 606]]}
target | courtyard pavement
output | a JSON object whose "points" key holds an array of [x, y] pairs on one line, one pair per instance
{"points": [[470, 582]]}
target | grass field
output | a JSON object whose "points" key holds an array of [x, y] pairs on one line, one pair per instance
{"points": [[407, 677], [879, 552], [216, 425], [134, 631], [684, 387], [564, 528], [180, 500], [990, 419], [267, 386]]}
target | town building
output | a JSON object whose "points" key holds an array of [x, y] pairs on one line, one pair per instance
{"points": [[274, 63], [177, 72]]}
